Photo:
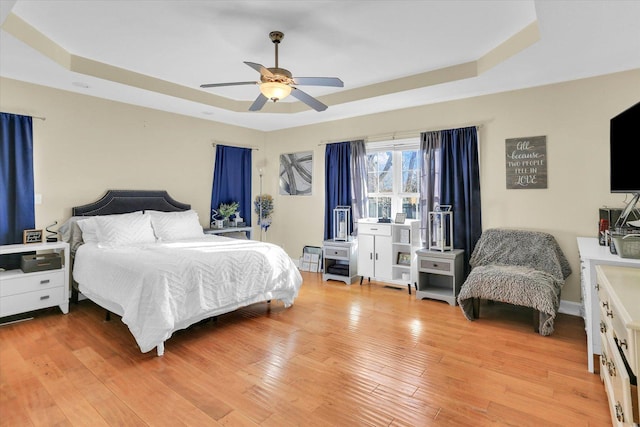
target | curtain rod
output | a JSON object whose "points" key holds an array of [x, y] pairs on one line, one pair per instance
{"points": [[396, 135], [27, 115], [214, 143]]}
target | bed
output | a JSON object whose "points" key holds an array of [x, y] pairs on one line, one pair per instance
{"points": [[144, 256]]}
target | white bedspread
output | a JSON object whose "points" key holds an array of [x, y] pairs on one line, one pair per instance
{"points": [[163, 287]]}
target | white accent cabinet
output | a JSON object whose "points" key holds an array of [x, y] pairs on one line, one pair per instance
{"points": [[22, 292], [386, 252]]}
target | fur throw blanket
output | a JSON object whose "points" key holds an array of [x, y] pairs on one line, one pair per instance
{"points": [[520, 267]]}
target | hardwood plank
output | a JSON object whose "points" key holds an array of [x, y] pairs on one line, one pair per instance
{"points": [[341, 355]]}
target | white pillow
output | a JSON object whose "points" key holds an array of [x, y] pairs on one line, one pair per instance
{"points": [[89, 225], [89, 228], [175, 225], [123, 230]]}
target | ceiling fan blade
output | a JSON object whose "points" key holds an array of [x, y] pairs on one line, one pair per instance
{"points": [[319, 81], [260, 68], [258, 103], [228, 84], [308, 99]]}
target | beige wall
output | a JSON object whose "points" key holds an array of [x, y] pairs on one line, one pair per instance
{"points": [[574, 117], [88, 145]]}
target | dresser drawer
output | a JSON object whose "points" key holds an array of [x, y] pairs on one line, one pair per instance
{"points": [[22, 283], [375, 229], [617, 382], [29, 301], [336, 253], [610, 316], [435, 265]]}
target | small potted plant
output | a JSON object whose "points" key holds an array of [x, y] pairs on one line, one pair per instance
{"points": [[226, 210]]}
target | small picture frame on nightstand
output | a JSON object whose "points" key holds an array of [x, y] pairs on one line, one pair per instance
{"points": [[400, 217], [31, 236]]}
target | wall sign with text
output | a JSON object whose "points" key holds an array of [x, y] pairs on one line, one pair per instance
{"points": [[526, 160]]}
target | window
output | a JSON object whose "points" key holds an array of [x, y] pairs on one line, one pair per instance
{"points": [[393, 178]]}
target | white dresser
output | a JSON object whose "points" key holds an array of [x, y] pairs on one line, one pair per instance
{"points": [[22, 292], [619, 306], [592, 255]]}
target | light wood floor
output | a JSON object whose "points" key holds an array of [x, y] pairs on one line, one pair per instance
{"points": [[341, 355]]}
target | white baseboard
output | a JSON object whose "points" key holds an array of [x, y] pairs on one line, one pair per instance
{"points": [[571, 308]]}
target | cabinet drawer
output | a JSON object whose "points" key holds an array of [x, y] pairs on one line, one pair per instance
{"points": [[617, 382], [23, 283], [375, 229], [435, 265], [29, 301], [336, 253]]}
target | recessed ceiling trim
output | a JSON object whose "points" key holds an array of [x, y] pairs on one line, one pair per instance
{"points": [[32, 37], [524, 38]]}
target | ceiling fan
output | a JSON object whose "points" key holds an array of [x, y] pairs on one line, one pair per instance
{"points": [[277, 83]]}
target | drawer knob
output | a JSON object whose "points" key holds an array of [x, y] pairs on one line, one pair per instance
{"points": [[619, 412], [612, 369], [605, 304], [44, 297], [44, 282], [623, 343], [597, 286], [610, 314], [603, 359], [435, 265], [603, 327]]}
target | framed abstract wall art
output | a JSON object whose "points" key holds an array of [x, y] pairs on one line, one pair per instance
{"points": [[296, 173]]}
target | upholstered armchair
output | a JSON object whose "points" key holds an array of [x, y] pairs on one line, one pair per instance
{"points": [[520, 267]]}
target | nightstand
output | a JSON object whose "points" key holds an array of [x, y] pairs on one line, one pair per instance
{"points": [[22, 292], [340, 260], [226, 230], [440, 274]]}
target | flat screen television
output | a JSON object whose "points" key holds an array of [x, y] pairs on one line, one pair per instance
{"points": [[624, 144]]}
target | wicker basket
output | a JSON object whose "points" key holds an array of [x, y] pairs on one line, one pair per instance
{"points": [[627, 246]]}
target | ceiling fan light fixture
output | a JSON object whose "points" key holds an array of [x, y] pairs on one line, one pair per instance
{"points": [[275, 91]]}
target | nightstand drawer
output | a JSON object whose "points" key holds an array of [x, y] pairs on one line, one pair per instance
{"points": [[431, 265], [375, 229], [29, 301], [23, 283], [336, 253]]}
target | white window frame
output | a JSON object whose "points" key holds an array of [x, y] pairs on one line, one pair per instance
{"points": [[396, 147]]}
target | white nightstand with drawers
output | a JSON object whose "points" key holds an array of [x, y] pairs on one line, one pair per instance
{"points": [[22, 292], [440, 274], [340, 260]]}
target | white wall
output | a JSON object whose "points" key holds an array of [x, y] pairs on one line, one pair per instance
{"points": [[88, 145]]}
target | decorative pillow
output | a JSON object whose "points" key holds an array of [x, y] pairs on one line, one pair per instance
{"points": [[175, 225], [122, 230], [89, 225]]}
